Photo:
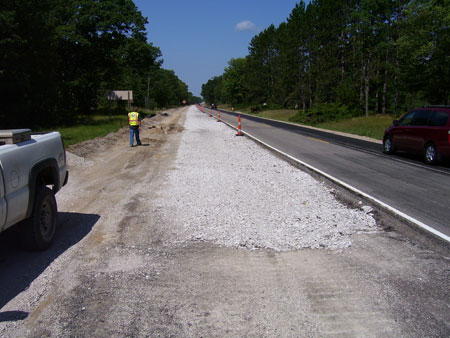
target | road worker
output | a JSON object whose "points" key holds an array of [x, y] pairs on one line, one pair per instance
{"points": [[134, 121]]}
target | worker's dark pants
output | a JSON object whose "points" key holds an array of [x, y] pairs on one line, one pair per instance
{"points": [[134, 132]]}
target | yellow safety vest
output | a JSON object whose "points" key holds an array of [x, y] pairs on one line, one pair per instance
{"points": [[133, 118]]}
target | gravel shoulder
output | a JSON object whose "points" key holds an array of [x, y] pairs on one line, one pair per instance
{"points": [[201, 233]]}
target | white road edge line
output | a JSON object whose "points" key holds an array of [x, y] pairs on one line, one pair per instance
{"points": [[351, 188]]}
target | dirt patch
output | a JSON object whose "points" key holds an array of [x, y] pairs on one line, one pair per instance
{"points": [[166, 129], [161, 123]]}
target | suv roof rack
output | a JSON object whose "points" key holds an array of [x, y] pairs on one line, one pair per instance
{"points": [[437, 106]]}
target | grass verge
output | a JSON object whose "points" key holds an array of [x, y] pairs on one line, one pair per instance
{"points": [[275, 114], [99, 126], [88, 128], [278, 114], [372, 126]]}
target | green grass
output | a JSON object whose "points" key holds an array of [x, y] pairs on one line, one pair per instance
{"points": [[90, 127], [279, 114], [372, 126], [98, 126]]}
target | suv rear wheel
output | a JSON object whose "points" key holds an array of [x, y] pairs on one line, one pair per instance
{"points": [[431, 154]]}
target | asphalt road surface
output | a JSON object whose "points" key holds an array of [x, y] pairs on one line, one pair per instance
{"points": [[420, 191]]}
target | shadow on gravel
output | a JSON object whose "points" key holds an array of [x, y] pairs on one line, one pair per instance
{"points": [[19, 268], [12, 316]]}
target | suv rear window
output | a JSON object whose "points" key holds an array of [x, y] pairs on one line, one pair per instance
{"points": [[438, 119]]}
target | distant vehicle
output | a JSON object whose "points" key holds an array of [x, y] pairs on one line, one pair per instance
{"points": [[424, 131], [32, 170]]}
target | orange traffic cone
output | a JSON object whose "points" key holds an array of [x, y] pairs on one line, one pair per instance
{"points": [[239, 127], [218, 116]]}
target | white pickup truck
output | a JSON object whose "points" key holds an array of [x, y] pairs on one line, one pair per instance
{"points": [[32, 170]]}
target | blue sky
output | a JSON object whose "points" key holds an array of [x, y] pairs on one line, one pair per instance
{"points": [[197, 38]]}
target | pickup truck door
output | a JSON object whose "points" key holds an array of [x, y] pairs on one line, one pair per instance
{"points": [[2, 200]]}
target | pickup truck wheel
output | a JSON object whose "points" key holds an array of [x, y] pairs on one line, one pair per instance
{"points": [[41, 226]]}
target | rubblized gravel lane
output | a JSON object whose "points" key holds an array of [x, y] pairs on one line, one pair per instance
{"points": [[229, 191]]}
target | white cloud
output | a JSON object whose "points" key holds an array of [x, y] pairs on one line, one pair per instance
{"points": [[245, 26]]}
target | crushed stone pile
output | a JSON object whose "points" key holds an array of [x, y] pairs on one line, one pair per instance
{"points": [[232, 192]]}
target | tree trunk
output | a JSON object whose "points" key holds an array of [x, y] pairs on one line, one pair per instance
{"points": [[376, 102], [361, 86], [366, 92], [302, 97], [396, 87], [310, 95], [367, 83], [342, 58], [383, 109], [377, 95]]}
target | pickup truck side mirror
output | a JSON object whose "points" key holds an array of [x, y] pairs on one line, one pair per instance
{"points": [[396, 123]]}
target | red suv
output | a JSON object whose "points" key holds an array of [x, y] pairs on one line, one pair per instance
{"points": [[424, 131]]}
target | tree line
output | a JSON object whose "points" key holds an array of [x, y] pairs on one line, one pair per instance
{"points": [[60, 57], [335, 58]]}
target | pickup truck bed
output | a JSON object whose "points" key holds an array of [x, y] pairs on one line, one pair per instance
{"points": [[29, 164]]}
